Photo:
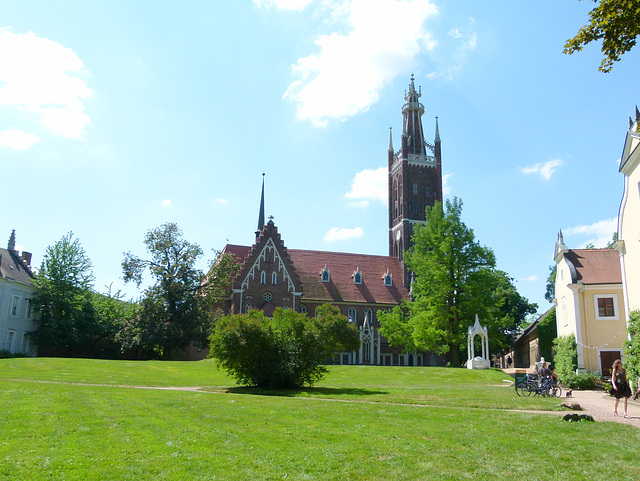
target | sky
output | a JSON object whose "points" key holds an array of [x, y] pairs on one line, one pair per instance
{"points": [[117, 117]]}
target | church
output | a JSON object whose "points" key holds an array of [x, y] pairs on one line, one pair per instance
{"points": [[272, 276]]}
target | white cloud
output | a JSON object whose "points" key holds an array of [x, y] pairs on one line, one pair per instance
{"points": [[222, 201], [545, 170], [369, 185], [283, 4], [17, 140], [382, 40], [337, 234], [599, 233], [531, 278], [166, 203], [446, 188], [45, 81]]}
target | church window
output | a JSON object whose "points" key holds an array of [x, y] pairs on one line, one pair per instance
{"points": [[415, 189], [352, 314], [415, 207], [387, 279], [247, 308], [263, 277], [267, 297], [325, 275], [274, 278], [357, 276], [427, 190], [303, 308], [368, 314]]}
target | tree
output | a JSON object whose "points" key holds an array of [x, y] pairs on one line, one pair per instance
{"points": [[287, 350], [64, 298], [173, 311], [616, 23], [455, 279], [550, 292]]}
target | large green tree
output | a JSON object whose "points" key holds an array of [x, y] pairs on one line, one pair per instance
{"points": [[455, 280], [176, 309], [288, 350], [616, 23], [65, 299], [171, 312]]}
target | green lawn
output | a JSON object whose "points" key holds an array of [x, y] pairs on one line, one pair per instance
{"points": [[77, 419]]}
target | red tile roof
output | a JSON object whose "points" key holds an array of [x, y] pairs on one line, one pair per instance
{"points": [[596, 266], [341, 288]]}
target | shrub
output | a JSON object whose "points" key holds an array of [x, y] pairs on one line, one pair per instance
{"points": [[287, 350], [632, 349], [566, 358], [4, 354], [582, 380]]}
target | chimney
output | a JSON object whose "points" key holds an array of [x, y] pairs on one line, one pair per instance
{"points": [[26, 258]]}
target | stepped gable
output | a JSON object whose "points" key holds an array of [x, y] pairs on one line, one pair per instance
{"points": [[596, 266], [341, 287], [268, 238]]}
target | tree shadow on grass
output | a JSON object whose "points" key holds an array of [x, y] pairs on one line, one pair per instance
{"points": [[305, 391]]}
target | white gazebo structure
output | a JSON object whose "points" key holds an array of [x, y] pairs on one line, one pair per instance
{"points": [[478, 362]]}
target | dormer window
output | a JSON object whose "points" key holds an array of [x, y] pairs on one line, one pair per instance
{"points": [[388, 280], [325, 275], [357, 276]]}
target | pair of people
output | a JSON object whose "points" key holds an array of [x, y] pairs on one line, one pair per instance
{"points": [[620, 386]]}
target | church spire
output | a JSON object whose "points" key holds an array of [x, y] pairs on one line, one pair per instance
{"points": [[261, 213]]}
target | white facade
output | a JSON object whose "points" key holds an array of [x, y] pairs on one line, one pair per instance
{"points": [[629, 219], [17, 317]]}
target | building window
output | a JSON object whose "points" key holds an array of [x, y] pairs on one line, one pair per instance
{"points": [[415, 189], [325, 275], [606, 307], [29, 309], [263, 277], [415, 207], [247, 308], [10, 340], [357, 276], [388, 281], [14, 305], [274, 278], [267, 297], [352, 314], [303, 308], [368, 314], [427, 190]]}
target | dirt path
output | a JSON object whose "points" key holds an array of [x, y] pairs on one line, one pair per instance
{"points": [[600, 405]]}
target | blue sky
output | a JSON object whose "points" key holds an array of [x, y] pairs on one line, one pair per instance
{"points": [[116, 117]]}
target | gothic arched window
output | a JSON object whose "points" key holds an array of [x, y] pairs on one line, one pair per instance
{"points": [[352, 313], [274, 278], [263, 277]]}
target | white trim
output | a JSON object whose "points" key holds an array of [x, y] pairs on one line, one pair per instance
{"points": [[262, 257]]}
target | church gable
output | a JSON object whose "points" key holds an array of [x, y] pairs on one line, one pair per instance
{"points": [[267, 279]]}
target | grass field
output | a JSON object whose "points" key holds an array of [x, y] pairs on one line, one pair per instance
{"points": [[73, 419]]}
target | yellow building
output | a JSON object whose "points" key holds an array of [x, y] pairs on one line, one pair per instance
{"points": [[590, 304], [629, 218]]}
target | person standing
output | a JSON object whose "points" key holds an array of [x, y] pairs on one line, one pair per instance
{"points": [[619, 386]]}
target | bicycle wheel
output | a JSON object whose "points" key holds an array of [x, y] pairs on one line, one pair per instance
{"points": [[557, 390], [526, 388]]}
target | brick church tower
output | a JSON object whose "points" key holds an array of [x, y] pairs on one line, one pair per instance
{"points": [[415, 177]]}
